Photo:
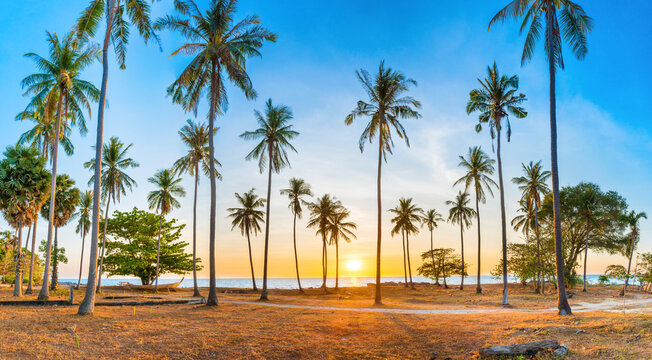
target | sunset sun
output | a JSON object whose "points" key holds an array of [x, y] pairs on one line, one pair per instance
{"points": [[354, 265]]}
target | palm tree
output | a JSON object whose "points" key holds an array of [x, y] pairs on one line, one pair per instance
{"points": [[386, 107], [42, 135], [321, 213], [120, 15], [462, 214], [163, 200], [631, 219], [83, 224], [408, 215], [398, 222], [274, 135], [58, 82], [478, 168], [533, 187], [248, 218], [495, 100], [575, 24], [220, 49], [430, 219], [195, 137], [589, 211], [115, 183], [340, 229], [296, 191]]}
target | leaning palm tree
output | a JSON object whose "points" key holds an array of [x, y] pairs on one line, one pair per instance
{"points": [[274, 135], [220, 48], [495, 100], [462, 214], [533, 187], [479, 166], [83, 224], [115, 183], [399, 227], [195, 137], [407, 216], [163, 200], [575, 24], [322, 211], [340, 229], [386, 107], [431, 218], [631, 219], [296, 191], [248, 217]]}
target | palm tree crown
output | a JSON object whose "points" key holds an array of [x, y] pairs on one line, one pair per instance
{"points": [[115, 182], [297, 190], [431, 218], [460, 212], [84, 213], [163, 200], [533, 184], [478, 167], [407, 216], [247, 217], [195, 137], [339, 228]]}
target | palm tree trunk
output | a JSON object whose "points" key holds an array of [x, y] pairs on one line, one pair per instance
{"points": [[563, 306], [88, 304], [212, 291], [629, 267], [55, 261], [106, 222], [586, 250], [539, 287], [31, 259], [407, 251], [478, 287], [251, 263], [337, 265], [18, 280], [432, 256], [378, 299], [158, 252], [81, 259], [443, 270], [503, 224], [44, 294], [404, 259], [462, 243], [296, 258], [194, 235], [324, 261], [263, 295]]}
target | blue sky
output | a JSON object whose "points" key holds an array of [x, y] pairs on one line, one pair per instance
{"points": [[605, 134]]}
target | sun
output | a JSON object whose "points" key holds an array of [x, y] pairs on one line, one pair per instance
{"points": [[354, 265]]}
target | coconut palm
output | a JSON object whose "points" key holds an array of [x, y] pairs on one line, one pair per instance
{"points": [[195, 137], [462, 214], [387, 105], [248, 217], [533, 187], [340, 229], [431, 218], [274, 135], [220, 48], [407, 216], [478, 167], [115, 183], [42, 134], [296, 191], [163, 200], [495, 100], [575, 25], [631, 219], [119, 16], [399, 227], [322, 211], [83, 224], [590, 212]]}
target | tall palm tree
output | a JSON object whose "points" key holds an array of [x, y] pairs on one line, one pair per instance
{"points": [[462, 214], [478, 166], [589, 211], [533, 187], [83, 224], [495, 100], [248, 217], [274, 135], [296, 191], [195, 137], [386, 106], [220, 48], [340, 229], [407, 216], [58, 82], [322, 211], [575, 25], [399, 227], [119, 16], [431, 218], [115, 183], [42, 134], [631, 219], [163, 200]]}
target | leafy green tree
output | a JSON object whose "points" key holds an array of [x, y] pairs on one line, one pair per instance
{"points": [[407, 216], [615, 272], [322, 211], [133, 249], [445, 264], [195, 137], [495, 100], [521, 262], [589, 209], [387, 105], [83, 224], [575, 24], [461, 213], [274, 135], [220, 48], [296, 191], [631, 219], [478, 167], [339, 228], [163, 200], [58, 256], [23, 188], [248, 217], [431, 219]]}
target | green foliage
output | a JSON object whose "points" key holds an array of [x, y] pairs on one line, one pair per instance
{"points": [[167, 187], [115, 182], [131, 247], [249, 215], [195, 137], [615, 272], [58, 253], [66, 199], [460, 212], [446, 263], [8, 267], [407, 217]]}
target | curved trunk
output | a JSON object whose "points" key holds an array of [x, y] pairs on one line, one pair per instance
{"points": [[586, 250], [432, 257], [296, 258], [540, 284], [263, 295], [462, 243], [629, 267], [377, 299], [106, 222], [251, 262], [158, 252], [503, 224], [31, 259], [407, 251], [478, 288], [324, 261], [404, 259], [81, 259], [18, 260], [194, 235], [337, 265], [212, 291], [55, 261]]}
